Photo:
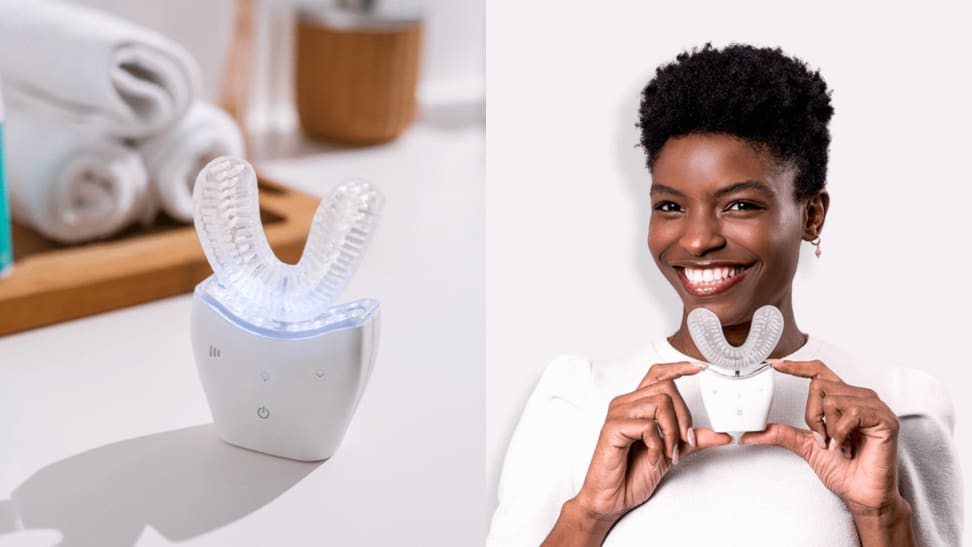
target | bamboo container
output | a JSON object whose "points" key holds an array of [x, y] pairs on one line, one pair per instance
{"points": [[356, 74]]}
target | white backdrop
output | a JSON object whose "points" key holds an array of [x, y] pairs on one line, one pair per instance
{"points": [[568, 270]]}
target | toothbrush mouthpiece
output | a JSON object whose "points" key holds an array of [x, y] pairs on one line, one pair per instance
{"points": [[249, 281], [743, 361]]}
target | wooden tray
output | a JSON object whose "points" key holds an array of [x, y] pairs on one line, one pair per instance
{"points": [[51, 282]]}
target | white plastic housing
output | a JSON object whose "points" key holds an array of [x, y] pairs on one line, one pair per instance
{"points": [[290, 395], [737, 405]]}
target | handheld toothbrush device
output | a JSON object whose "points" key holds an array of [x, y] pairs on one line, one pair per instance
{"points": [[283, 368], [737, 387]]}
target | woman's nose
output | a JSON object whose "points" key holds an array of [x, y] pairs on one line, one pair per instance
{"points": [[702, 234]]}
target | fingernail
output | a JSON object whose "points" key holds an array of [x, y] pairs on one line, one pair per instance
{"points": [[700, 364], [774, 361], [833, 444], [820, 440], [690, 437], [675, 455]]}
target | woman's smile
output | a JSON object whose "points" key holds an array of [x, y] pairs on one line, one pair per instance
{"points": [[710, 279]]}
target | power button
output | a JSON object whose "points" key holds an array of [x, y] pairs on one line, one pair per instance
{"points": [[263, 412]]}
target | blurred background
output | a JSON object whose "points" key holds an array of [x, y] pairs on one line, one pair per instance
{"points": [[111, 107], [452, 56]]}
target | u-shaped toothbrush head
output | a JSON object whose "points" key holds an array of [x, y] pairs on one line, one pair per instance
{"points": [[249, 281], [765, 331]]}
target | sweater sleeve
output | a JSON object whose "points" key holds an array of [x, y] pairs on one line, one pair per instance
{"points": [[929, 476], [536, 478]]}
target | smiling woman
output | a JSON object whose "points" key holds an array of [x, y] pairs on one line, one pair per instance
{"points": [[620, 452], [726, 229]]}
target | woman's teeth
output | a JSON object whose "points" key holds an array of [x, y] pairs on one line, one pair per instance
{"points": [[703, 276]]}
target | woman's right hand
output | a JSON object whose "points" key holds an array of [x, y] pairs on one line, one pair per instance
{"points": [[644, 435]]}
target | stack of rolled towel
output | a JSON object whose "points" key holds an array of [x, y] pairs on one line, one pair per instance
{"points": [[104, 127]]}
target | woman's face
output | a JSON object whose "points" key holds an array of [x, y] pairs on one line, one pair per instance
{"points": [[725, 228]]}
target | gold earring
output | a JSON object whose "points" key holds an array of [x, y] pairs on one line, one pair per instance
{"points": [[816, 243]]}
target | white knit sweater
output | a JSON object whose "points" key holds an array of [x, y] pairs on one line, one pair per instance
{"points": [[732, 495]]}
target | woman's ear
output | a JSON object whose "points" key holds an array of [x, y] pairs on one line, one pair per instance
{"points": [[815, 213]]}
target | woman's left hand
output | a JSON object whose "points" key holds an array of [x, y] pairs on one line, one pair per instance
{"points": [[852, 446]]}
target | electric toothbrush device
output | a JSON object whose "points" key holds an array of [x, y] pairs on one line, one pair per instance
{"points": [[282, 366], [737, 386]]}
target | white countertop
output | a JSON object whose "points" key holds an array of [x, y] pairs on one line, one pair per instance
{"points": [[106, 436]]}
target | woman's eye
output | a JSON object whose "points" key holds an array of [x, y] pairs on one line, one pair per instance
{"points": [[667, 207], [743, 206]]}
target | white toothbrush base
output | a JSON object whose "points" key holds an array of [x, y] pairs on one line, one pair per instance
{"points": [[290, 397], [734, 405]]}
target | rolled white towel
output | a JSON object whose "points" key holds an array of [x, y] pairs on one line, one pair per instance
{"points": [[98, 70], [67, 185], [174, 158]]}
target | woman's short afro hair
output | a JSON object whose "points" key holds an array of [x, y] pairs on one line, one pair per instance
{"points": [[758, 94]]}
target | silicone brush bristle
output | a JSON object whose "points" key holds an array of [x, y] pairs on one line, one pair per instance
{"points": [[765, 331], [250, 281]]}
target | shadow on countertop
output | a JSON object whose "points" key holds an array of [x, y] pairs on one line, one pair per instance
{"points": [[183, 483]]}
